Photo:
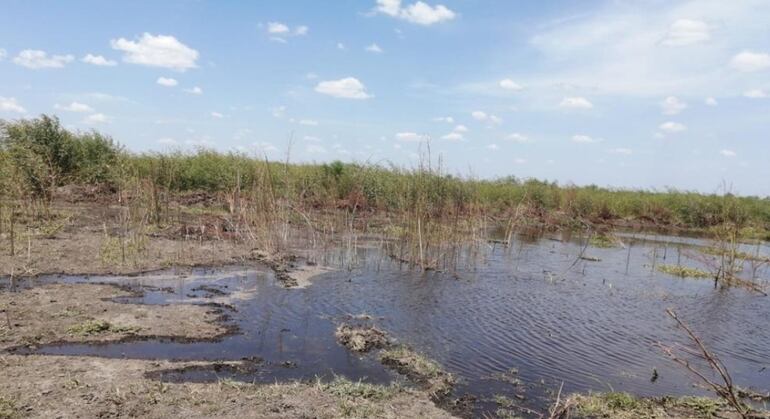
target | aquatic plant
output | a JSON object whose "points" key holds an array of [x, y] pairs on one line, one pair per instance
{"points": [[684, 271]]}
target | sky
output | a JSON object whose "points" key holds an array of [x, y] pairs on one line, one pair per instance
{"points": [[633, 94]]}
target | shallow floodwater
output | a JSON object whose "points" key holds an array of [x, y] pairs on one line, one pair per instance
{"points": [[531, 313]]}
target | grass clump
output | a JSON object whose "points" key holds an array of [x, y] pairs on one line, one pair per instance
{"points": [[361, 339], [97, 327], [343, 387], [604, 241], [419, 368], [684, 271], [625, 406], [8, 409]]}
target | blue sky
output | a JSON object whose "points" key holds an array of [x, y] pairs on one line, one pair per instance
{"points": [[644, 94]]}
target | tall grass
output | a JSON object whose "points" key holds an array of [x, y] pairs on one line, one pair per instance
{"points": [[38, 156]]}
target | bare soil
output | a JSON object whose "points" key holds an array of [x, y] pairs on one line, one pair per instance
{"points": [[73, 387], [86, 313]]}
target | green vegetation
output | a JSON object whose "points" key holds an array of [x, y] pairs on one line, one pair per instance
{"points": [[626, 406], [684, 271], [39, 155]]}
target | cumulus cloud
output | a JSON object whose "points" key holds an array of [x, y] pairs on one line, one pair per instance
{"points": [[97, 118], [157, 51], [621, 150], [374, 48], [461, 128], [453, 136], [217, 115], [447, 119], [308, 122], [509, 84], [728, 153], [492, 147], [167, 141], [519, 138], [687, 32], [485, 117], [420, 12], [194, 91], [98, 60], [36, 59], [409, 137], [345, 88], [710, 101], [672, 105], [575, 103], [585, 139], [3, 54], [74, 107], [167, 82], [9, 104], [755, 94], [672, 127], [750, 61], [279, 31], [315, 149]]}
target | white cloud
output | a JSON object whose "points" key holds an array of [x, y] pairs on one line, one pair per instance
{"points": [[710, 101], [585, 139], [453, 136], [519, 138], [315, 149], [374, 48], [575, 103], [301, 30], [308, 122], [509, 84], [97, 118], [520, 161], [672, 127], [346, 88], [409, 137], [687, 32], [217, 115], [420, 13], [447, 119], [167, 82], [621, 150], [3, 54], [9, 104], [492, 147], [485, 117], [755, 94], [277, 28], [279, 111], [264, 146], [749, 61], [194, 91], [728, 153], [341, 46], [312, 139], [167, 141], [98, 60], [461, 128], [36, 59], [672, 105], [74, 107], [157, 51], [479, 115]]}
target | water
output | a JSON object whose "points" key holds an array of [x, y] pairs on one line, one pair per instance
{"points": [[532, 307]]}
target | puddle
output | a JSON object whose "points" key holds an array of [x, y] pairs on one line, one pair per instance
{"points": [[519, 320]]}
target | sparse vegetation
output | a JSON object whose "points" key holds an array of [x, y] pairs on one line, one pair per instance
{"points": [[626, 406], [419, 368], [8, 409], [96, 327], [361, 338], [684, 271]]}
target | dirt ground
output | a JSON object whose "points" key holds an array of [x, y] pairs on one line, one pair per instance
{"points": [[75, 387], [83, 312]]}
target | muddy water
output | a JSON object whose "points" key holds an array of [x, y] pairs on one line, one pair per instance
{"points": [[531, 313]]}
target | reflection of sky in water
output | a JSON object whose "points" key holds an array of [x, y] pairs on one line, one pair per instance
{"points": [[592, 325]]}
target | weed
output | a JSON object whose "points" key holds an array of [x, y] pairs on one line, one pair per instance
{"points": [[97, 327], [684, 271]]}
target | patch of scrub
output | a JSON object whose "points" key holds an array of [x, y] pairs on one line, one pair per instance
{"points": [[8, 409], [419, 368], [96, 327], [605, 241]]}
